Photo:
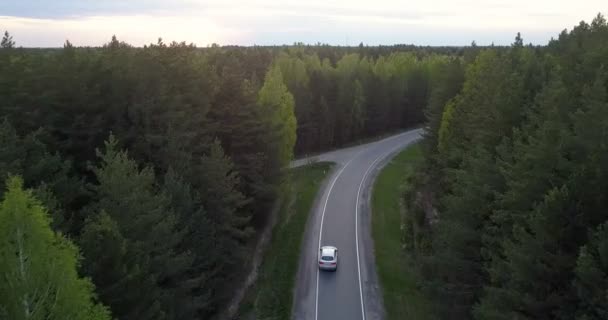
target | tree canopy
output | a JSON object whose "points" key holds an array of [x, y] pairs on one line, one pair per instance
{"points": [[517, 173], [38, 266], [162, 163]]}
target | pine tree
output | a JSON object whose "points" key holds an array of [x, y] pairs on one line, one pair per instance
{"points": [[326, 126], [346, 77], [7, 41], [548, 154], [230, 108], [199, 234], [454, 272], [535, 161], [537, 268], [359, 111], [474, 123], [142, 216], [38, 266], [167, 102], [446, 84], [591, 268], [108, 262], [224, 205], [591, 280], [236, 121], [47, 173], [322, 87], [379, 102], [216, 221]]}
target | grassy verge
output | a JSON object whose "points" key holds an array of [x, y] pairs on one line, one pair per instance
{"points": [[271, 297], [402, 300]]}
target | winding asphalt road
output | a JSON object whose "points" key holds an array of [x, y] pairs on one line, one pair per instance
{"points": [[341, 218]]}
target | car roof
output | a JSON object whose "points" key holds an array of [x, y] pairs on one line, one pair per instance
{"points": [[328, 250]]}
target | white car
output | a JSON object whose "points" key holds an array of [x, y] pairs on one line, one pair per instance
{"points": [[328, 258]]}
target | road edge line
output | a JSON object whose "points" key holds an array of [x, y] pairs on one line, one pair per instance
{"points": [[371, 166], [357, 231], [331, 187]]}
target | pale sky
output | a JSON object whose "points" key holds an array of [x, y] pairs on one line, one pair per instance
{"points": [[48, 23]]}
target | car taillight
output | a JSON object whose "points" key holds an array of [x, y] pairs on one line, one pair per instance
{"points": [[333, 263]]}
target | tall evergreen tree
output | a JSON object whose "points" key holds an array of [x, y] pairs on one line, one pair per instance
{"points": [[167, 102], [7, 41], [222, 198], [135, 210], [446, 83], [359, 111], [591, 273], [47, 173], [522, 179], [226, 215], [201, 280]]}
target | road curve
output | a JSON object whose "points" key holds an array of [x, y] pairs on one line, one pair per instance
{"points": [[341, 217]]}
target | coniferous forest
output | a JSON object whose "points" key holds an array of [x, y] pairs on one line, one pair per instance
{"points": [[509, 214], [157, 166], [138, 178]]}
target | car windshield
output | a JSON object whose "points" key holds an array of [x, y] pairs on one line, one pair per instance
{"points": [[327, 258]]}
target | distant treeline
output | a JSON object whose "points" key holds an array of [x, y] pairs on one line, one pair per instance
{"points": [[508, 218], [160, 163]]}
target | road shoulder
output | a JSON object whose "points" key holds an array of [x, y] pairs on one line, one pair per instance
{"points": [[398, 284], [304, 295], [271, 296]]}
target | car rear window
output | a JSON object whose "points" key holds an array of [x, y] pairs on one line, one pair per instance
{"points": [[326, 258]]}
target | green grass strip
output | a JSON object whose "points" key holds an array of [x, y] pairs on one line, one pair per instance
{"points": [[272, 295], [402, 300]]}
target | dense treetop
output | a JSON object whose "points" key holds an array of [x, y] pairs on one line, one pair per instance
{"points": [[162, 162], [158, 165], [516, 166]]}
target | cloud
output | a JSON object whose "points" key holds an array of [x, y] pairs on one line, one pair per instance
{"points": [[60, 9], [430, 22], [96, 30]]}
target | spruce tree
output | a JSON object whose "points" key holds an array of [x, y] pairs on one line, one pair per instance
{"points": [[224, 205], [7, 41], [199, 283], [143, 217], [591, 282], [47, 173]]}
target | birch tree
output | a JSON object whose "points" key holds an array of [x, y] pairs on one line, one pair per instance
{"points": [[38, 277]]}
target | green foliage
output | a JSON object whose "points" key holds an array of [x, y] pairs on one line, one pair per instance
{"points": [[446, 80], [443, 131], [534, 258], [277, 105], [47, 173], [208, 143], [393, 238], [591, 272], [518, 178], [136, 219], [362, 95], [227, 216], [196, 296], [102, 239], [273, 291], [38, 266], [222, 198]]}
